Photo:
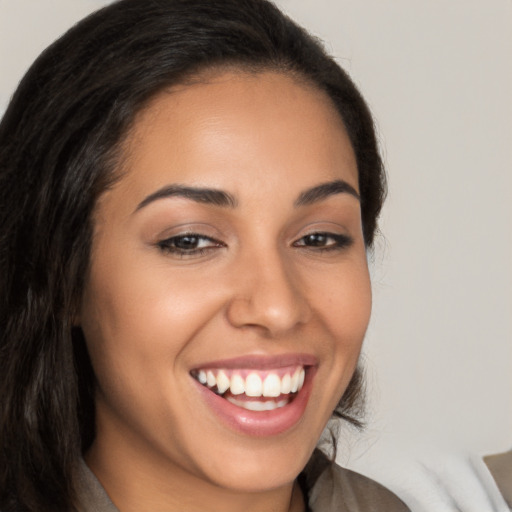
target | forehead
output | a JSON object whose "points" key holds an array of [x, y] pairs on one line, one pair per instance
{"points": [[236, 124]]}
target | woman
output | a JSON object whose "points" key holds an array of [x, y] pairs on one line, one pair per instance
{"points": [[188, 192]]}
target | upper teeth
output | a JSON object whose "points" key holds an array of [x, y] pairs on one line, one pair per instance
{"points": [[271, 384]]}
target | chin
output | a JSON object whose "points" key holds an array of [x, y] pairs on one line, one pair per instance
{"points": [[257, 474]]}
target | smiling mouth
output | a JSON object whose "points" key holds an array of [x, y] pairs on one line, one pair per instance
{"points": [[254, 390]]}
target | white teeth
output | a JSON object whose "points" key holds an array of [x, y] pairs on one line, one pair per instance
{"points": [[223, 382], [272, 385], [258, 406], [210, 379], [286, 384], [253, 385], [237, 385], [295, 381], [302, 376]]}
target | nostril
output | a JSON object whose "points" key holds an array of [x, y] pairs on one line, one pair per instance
{"points": [[274, 313]]}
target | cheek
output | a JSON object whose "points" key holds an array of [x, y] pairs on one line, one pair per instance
{"points": [[135, 328], [344, 307], [342, 299], [344, 302], [135, 314]]}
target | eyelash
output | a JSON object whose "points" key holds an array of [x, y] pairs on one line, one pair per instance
{"points": [[169, 245]]}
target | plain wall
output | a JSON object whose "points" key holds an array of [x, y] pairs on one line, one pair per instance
{"points": [[438, 77]]}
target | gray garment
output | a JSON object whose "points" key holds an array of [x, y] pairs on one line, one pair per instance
{"points": [[335, 490], [91, 495]]}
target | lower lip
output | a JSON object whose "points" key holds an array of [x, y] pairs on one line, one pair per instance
{"points": [[260, 423]]}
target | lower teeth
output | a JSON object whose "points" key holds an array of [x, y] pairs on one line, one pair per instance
{"points": [[253, 405]]}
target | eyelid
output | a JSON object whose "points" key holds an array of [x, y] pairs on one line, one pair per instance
{"points": [[168, 228]]}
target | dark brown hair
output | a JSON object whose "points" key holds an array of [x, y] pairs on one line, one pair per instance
{"points": [[59, 144]]}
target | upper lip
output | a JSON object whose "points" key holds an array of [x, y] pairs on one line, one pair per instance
{"points": [[261, 362]]}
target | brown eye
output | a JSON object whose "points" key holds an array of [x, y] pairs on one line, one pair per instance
{"points": [[185, 243], [316, 240], [189, 244], [324, 241]]}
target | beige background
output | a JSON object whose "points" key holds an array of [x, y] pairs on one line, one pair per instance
{"points": [[438, 76]]}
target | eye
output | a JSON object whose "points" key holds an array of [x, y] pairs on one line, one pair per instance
{"points": [[189, 244], [324, 241]]}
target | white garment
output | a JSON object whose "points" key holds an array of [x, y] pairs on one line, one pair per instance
{"points": [[453, 483]]}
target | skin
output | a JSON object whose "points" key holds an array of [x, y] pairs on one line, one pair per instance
{"points": [[259, 288]]}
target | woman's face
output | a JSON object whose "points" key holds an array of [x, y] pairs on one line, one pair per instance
{"points": [[228, 264]]}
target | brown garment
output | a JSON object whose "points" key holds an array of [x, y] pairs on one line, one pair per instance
{"points": [[336, 489], [331, 489], [500, 467]]}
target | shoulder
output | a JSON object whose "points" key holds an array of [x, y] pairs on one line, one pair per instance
{"points": [[336, 489]]}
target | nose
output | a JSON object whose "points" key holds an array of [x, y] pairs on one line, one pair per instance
{"points": [[267, 296]]}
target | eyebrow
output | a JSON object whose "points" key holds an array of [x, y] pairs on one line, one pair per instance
{"points": [[221, 198], [325, 190], [199, 195]]}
